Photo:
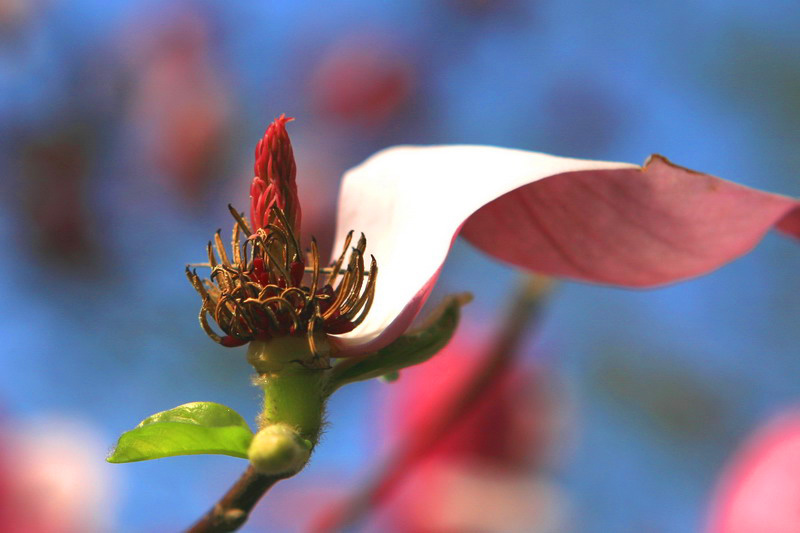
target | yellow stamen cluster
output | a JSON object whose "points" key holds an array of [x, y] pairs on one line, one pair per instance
{"points": [[258, 293]]}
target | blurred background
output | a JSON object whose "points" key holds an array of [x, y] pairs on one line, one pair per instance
{"points": [[127, 127]]}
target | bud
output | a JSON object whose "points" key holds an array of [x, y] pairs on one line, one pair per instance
{"points": [[277, 450], [274, 184]]}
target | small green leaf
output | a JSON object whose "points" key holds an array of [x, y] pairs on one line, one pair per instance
{"points": [[408, 350], [189, 429]]}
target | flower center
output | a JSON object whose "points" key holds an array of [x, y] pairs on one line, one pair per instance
{"points": [[266, 289]]}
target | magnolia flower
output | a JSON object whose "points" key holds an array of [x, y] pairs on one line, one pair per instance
{"points": [[760, 488], [597, 221], [260, 293]]}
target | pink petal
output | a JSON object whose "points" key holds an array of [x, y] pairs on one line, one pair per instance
{"points": [[597, 221], [760, 489], [636, 228]]}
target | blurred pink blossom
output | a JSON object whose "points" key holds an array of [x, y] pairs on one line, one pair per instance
{"points": [[362, 80], [759, 491], [55, 188], [15, 15], [510, 426], [493, 459], [179, 101], [51, 480]]}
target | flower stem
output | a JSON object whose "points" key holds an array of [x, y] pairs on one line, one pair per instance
{"points": [[233, 509], [293, 398], [522, 314]]}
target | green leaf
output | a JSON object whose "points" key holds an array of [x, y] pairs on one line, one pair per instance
{"points": [[408, 350], [189, 429]]}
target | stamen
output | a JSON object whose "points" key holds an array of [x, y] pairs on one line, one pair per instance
{"points": [[338, 264], [240, 221], [245, 263], [368, 292], [222, 305], [204, 324], [314, 268], [283, 270], [341, 294], [235, 246], [370, 298], [224, 279], [282, 217], [194, 279], [278, 300], [221, 249], [257, 292], [312, 344], [263, 293], [239, 321], [287, 239], [358, 277], [362, 244], [212, 260], [293, 290]]}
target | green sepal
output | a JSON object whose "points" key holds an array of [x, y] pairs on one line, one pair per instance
{"points": [[391, 377], [189, 429], [408, 350]]}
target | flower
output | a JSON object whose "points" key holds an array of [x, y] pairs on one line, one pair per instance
{"points": [[259, 293], [760, 488], [598, 221]]}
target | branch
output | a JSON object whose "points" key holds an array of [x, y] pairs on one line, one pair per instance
{"points": [[233, 509], [521, 316]]}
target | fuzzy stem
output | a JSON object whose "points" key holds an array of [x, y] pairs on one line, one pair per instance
{"points": [[294, 397], [293, 393]]}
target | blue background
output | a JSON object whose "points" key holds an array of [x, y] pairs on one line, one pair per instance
{"points": [[661, 386]]}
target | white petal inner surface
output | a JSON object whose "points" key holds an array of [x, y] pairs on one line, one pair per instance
{"points": [[410, 201]]}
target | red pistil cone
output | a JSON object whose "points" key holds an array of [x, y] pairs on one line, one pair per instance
{"points": [[274, 182]]}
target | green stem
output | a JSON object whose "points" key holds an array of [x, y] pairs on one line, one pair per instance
{"points": [[293, 392], [294, 397]]}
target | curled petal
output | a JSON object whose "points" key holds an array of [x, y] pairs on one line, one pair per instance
{"points": [[597, 221]]}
